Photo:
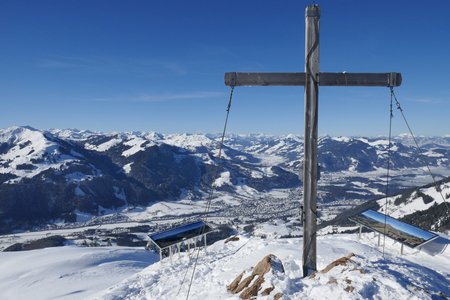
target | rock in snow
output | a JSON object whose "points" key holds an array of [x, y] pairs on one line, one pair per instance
{"points": [[252, 284]]}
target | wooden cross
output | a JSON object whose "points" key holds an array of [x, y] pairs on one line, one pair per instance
{"points": [[311, 79]]}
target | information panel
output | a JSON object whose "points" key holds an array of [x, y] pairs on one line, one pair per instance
{"points": [[179, 234], [400, 231]]}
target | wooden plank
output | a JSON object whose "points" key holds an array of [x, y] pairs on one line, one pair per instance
{"points": [[264, 79], [310, 157], [325, 79], [360, 79]]}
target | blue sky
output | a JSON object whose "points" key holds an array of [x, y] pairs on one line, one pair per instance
{"points": [[158, 65]]}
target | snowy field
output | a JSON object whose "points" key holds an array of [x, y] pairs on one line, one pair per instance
{"points": [[68, 272], [129, 273]]}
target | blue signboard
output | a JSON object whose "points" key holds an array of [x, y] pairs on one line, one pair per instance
{"points": [[400, 231], [178, 234]]}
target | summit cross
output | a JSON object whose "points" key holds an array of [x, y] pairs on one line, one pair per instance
{"points": [[311, 79]]}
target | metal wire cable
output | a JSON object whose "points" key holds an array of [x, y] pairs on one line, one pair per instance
{"points": [[210, 195], [391, 115], [438, 189]]}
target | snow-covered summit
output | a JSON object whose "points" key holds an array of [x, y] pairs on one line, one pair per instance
{"points": [[368, 275], [73, 134], [16, 134], [190, 141], [27, 151], [107, 273]]}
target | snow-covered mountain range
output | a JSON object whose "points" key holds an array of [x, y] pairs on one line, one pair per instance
{"points": [[63, 174]]}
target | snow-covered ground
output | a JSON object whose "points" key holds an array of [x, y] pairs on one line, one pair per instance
{"points": [[68, 272], [118, 273], [416, 275]]}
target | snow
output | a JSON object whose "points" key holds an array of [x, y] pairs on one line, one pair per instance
{"points": [[354, 165], [189, 141], [136, 144], [223, 179], [416, 275], [431, 153], [270, 160], [30, 145], [127, 168], [341, 139], [416, 203], [276, 228], [68, 272], [72, 272], [73, 134], [165, 208], [229, 200], [153, 136], [105, 146], [379, 143], [257, 174]]}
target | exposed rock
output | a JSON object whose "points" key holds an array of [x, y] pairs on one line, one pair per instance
{"points": [[233, 286], [267, 291], [267, 263], [332, 280], [252, 291], [349, 289], [249, 286], [243, 284], [338, 262], [277, 296], [231, 239]]}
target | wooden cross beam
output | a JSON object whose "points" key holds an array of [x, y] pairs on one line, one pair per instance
{"points": [[324, 79], [311, 79]]}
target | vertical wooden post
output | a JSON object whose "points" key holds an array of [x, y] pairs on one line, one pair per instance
{"points": [[311, 135], [360, 230]]}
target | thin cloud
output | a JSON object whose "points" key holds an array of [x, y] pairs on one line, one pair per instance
{"points": [[426, 100], [163, 97], [117, 65]]}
